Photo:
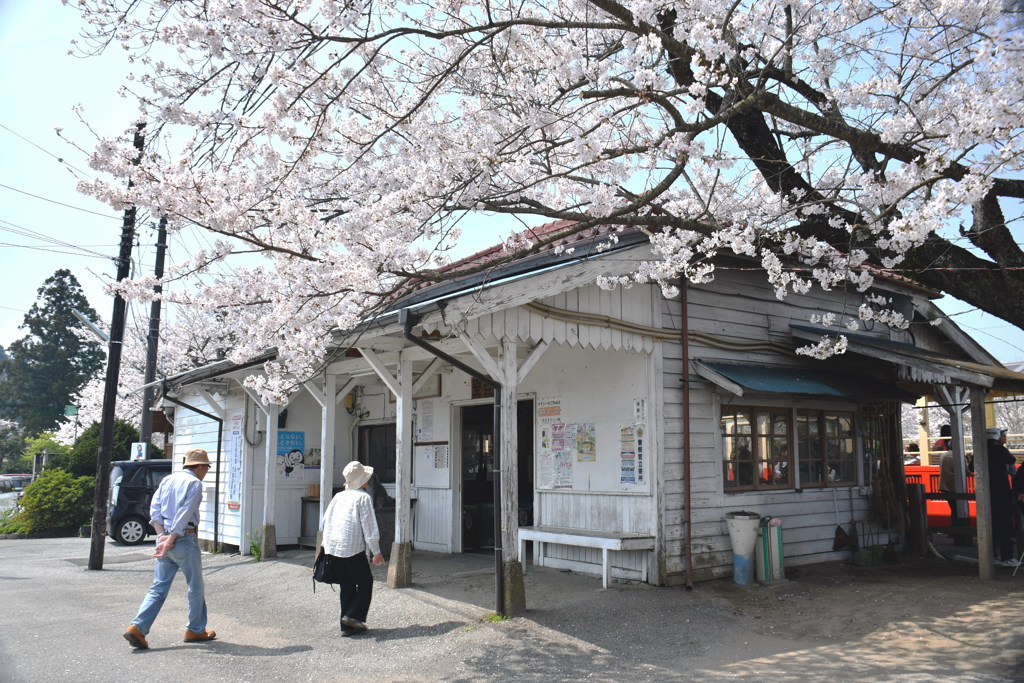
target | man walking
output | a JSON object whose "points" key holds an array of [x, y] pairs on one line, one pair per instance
{"points": [[174, 514]]}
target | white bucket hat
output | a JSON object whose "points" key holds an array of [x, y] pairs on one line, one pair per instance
{"points": [[994, 433], [357, 474]]}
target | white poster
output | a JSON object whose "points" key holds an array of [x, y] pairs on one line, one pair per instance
{"points": [[235, 426]]}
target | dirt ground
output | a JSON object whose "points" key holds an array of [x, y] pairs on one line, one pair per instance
{"points": [[830, 601]]}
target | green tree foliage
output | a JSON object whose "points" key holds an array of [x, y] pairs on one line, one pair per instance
{"points": [[44, 442], [51, 363], [81, 459], [55, 501], [12, 446]]}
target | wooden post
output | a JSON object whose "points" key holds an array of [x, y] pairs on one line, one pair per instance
{"points": [[268, 533], [328, 417], [983, 505], [400, 566], [515, 590]]}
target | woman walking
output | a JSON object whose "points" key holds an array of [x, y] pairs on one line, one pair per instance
{"points": [[349, 531]]}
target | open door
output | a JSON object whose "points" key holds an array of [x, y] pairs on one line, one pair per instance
{"points": [[477, 472]]}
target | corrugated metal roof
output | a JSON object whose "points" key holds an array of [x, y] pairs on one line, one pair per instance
{"points": [[1002, 378]]}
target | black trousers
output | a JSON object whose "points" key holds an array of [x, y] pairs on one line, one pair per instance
{"points": [[1002, 527], [356, 586]]}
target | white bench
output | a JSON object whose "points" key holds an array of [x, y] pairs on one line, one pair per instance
{"points": [[586, 538]]}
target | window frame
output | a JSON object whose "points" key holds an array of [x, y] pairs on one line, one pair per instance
{"points": [[760, 434], [826, 438]]}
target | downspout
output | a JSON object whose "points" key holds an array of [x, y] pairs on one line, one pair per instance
{"points": [[408, 320], [216, 478], [684, 341]]}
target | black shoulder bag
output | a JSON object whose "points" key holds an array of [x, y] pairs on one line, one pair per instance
{"points": [[325, 569]]}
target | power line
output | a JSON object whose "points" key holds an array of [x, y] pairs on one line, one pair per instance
{"points": [[44, 150], [54, 201], [34, 234]]}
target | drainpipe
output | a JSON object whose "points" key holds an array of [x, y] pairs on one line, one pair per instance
{"points": [[408, 320], [684, 340], [216, 478]]}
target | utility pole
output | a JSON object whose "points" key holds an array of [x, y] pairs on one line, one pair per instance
{"points": [[99, 510], [153, 339]]}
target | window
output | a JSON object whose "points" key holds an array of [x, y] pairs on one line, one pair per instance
{"points": [[826, 448], [377, 449], [756, 448], [873, 436]]}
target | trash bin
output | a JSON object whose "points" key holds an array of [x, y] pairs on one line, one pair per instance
{"points": [[743, 534], [769, 550]]}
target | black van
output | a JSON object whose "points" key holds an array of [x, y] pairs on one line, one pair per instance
{"points": [[132, 485]]}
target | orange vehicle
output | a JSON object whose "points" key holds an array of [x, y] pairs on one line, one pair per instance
{"points": [[938, 509]]}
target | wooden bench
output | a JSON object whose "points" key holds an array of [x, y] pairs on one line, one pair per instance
{"points": [[586, 538]]}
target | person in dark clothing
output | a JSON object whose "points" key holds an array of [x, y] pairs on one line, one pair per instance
{"points": [[1000, 464]]}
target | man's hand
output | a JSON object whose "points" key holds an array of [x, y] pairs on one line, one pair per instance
{"points": [[378, 559], [164, 544]]}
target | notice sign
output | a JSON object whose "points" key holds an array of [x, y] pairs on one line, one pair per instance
{"points": [[140, 451]]}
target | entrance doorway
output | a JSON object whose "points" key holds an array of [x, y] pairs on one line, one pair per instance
{"points": [[477, 440]]}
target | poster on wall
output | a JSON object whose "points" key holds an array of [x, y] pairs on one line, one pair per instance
{"points": [[312, 459], [631, 454], [563, 438], [424, 420], [291, 448], [549, 412], [586, 442], [234, 454]]}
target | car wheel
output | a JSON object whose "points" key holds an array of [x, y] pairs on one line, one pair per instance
{"points": [[131, 531]]}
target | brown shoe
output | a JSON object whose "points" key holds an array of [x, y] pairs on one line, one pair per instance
{"points": [[193, 637], [135, 637]]}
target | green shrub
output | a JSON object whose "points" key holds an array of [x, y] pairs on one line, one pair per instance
{"points": [[9, 523], [56, 501], [80, 459]]}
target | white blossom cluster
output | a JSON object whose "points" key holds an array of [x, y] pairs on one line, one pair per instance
{"points": [[343, 143]]}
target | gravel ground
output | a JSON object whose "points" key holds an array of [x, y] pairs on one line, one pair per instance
{"points": [[910, 622]]}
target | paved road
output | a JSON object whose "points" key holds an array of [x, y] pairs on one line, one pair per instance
{"points": [[62, 622]]}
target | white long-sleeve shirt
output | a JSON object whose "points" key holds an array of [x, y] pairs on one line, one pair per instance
{"points": [[350, 526], [175, 504]]}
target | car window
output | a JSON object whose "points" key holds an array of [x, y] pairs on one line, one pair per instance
{"points": [[156, 476]]}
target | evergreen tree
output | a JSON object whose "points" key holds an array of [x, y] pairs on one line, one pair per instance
{"points": [[51, 363]]}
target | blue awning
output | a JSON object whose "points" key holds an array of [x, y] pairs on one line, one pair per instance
{"points": [[761, 379]]}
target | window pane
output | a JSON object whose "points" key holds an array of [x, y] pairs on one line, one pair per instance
{"points": [[737, 456]]}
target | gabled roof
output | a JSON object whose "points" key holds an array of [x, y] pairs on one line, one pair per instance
{"points": [[588, 243]]}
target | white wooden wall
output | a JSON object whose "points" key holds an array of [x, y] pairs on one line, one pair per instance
{"points": [[192, 430], [737, 306]]}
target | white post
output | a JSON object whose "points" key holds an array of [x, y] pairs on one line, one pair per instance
{"points": [[269, 535], [509, 439], [403, 454], [328, 417]]}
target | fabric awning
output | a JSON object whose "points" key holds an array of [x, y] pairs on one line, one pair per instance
{"points": [[760, 379]]}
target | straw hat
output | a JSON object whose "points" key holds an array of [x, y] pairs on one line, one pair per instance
{"points": [[357, 474], [197, 456]]}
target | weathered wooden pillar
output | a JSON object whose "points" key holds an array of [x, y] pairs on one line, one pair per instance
{"points": [[268, 532], [983, 504], [400, 565], [515, 589]]}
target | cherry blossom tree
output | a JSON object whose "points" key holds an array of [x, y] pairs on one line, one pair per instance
{"points": [[350, 142], [189, 339]]}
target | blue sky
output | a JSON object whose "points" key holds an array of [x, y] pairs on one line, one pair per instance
{"points": [[45, 224]]}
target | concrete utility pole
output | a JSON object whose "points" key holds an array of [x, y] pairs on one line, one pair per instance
{"points": [[153, 338], [99, 510]]}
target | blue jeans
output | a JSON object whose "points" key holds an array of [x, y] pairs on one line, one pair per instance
{"points": [[184, 555]]}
